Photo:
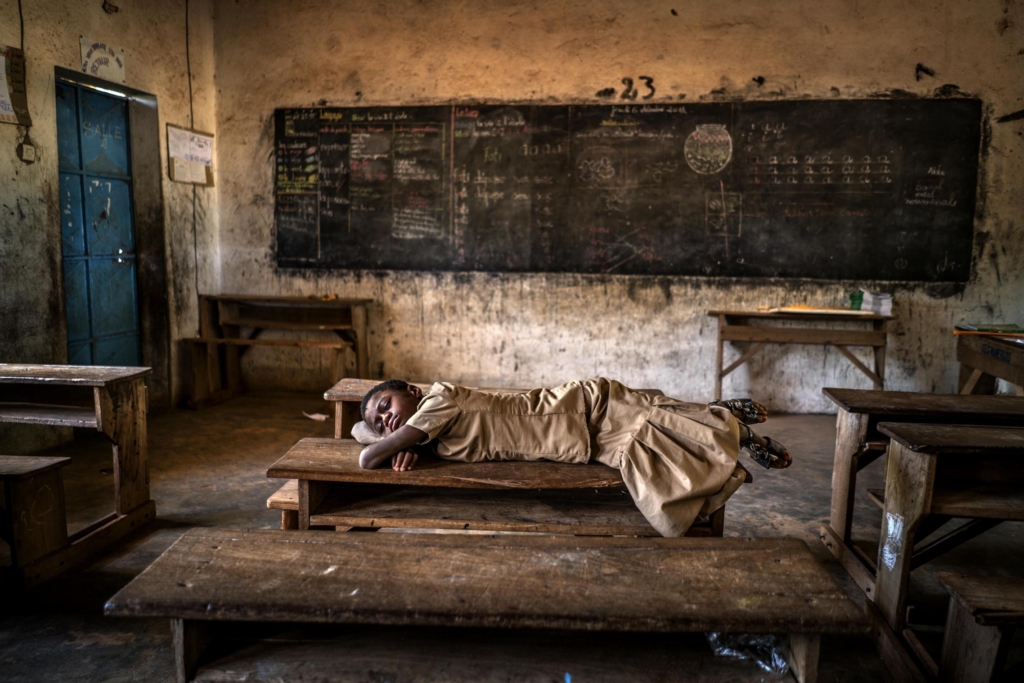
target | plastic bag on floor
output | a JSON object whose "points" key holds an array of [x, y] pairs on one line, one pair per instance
{"points": [[768, 650]]}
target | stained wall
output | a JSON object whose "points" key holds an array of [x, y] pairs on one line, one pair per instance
{"points": [[532, 329], [152, 34]]}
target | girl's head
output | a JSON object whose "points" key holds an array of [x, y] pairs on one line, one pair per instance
{"points": [[389, 405]]}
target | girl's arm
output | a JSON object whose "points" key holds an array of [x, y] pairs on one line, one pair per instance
{"points": [[402, 439]]}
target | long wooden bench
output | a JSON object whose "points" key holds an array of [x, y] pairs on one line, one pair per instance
{"points": [[983, 613], [404, 588], [860, 443], [209, 386], [438, 494]]}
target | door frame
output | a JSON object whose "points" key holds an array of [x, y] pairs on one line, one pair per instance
{"points": [[150, 230]]}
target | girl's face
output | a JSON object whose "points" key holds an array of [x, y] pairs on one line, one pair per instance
{"points": [[390, 409]]}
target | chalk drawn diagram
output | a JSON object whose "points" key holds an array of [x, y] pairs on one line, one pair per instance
{"points": [[708, 149], [723, 214], [598, 166]]}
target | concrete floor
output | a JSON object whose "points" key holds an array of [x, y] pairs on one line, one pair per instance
{"points": [[208, 469]]}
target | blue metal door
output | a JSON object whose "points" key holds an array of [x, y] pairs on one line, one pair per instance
{"points": [[97, 228]]}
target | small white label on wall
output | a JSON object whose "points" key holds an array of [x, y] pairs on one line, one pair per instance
{"points": [[102, 60]]}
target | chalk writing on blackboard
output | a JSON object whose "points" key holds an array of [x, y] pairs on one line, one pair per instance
{"points": [[881, 189]]}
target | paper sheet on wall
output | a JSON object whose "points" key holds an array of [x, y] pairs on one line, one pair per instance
{"points": [[13, 95], [191, 155]]}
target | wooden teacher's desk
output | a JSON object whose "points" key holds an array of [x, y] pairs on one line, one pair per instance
{"points": [[737, 326], [223, 318], [111, 400], [983, 358]]}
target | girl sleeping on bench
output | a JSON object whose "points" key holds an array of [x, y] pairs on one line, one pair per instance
{"points": [[677, 459]]}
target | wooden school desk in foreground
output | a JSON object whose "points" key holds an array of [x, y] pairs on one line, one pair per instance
{"points": [[111, 400], [550, 497], [983, 358], [217, 352], [738, 326], [859, 443], [212, 579], [937, 473]]}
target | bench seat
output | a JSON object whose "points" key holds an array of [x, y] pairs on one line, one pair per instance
{"points": [[593, 584]]}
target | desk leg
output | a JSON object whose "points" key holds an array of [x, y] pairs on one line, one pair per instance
{"points": [[908, 498], [971, 652], [359, 327], [311, 494], [851, 432], [802, 655], [880, 325], [718, 360], [191, 639], [121, 414]]}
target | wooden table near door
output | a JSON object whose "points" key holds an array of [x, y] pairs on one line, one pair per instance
{"points": [[223, 318], [984, 357], [111, 400], [737, 326]]}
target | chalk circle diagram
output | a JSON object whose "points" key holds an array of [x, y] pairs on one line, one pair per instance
{"points": [[708, 149], [598, 166]]}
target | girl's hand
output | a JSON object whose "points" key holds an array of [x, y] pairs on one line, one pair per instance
{"points": [[403, 461]]}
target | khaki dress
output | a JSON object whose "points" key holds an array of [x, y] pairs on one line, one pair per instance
{"points": [[677, 459]]}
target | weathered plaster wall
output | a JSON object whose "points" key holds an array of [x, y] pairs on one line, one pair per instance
{"points": [[524, 330], [152, 34]]}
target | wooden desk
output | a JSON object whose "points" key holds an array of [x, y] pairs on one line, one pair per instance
{"points": [[216, 577], [983, 614], [736, 326], [111, 400], [859, 443], [550, 497], [983, 358], [936, 473], [223, 318]]}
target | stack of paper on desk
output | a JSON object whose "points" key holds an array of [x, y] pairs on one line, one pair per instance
{"points": [[871, 301]]}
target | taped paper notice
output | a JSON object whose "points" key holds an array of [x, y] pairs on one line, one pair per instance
{"points": [[893, 540], [190, 154], [13, 95]]}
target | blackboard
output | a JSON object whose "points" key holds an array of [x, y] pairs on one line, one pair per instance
{"points": [[838, 189]]}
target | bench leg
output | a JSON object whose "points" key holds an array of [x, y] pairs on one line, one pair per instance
{"points": [[971, 652], [908, 498], [289, 519], [36, 513], [311, 494], [346, 417], [718, 522], [802, 656], [191, 639]]}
